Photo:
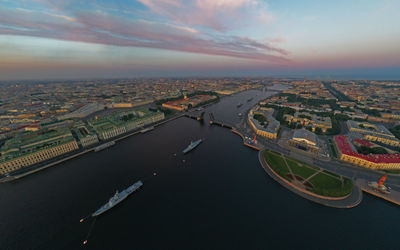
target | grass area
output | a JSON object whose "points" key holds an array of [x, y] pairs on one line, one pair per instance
{"points": [[325, 183], [300, 169], [376, 150], [396, 131], [392, 171], [260, 118], [334, 154], [329, 186], [276, 162], [333, 174]]}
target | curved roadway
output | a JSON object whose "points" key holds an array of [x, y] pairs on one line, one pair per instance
{"points": [[351, 201]]}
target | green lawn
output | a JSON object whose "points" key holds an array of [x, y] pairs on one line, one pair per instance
{"points": [[392, 171], [300, 169], [335, 175], [261, 119], [334, 154], [276, 162], [325, 183], [330, 186], [302, 163]]}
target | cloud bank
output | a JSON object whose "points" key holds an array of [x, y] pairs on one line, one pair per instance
{"points": [[194, 26]]}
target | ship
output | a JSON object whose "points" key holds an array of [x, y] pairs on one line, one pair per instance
{"points": [[104, 146], [146, 130], [239, 105], [249, 100], [192, 146], [117, 198]]}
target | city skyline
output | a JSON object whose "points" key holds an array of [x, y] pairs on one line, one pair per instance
{"points": [[149, 38]]}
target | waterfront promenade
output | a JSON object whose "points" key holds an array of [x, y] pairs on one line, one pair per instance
{"points": [[393, 197], [349, 201], [63, 158]]}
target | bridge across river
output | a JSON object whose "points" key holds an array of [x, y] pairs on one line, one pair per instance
{"points": [[213, 121]]}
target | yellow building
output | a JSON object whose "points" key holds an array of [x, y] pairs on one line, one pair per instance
{"points": [[305, 140], [373, 132], [30, 148], [313, 120], [378, 161], [271, 130], [181, 107], [43, 155]]}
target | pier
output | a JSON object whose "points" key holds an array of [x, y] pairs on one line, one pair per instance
{"points": [[393, 197], [245, 141]]}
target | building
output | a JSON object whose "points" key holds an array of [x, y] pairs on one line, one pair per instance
{"points": [[372, 132], [305, 140], [86, 134], [310, 120], [268, 131], [391, 116], [83, 111], [29, 148], [119, 123], [348, 153], [186, 103]]}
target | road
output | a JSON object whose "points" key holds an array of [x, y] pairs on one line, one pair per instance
{"points": [[333, 165]]}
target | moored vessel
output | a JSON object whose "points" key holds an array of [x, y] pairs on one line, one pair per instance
{"points": [[146, 130], [104, 146], [192, 146], [117, 198]]}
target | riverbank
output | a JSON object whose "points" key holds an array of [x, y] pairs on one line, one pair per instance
{"points": [[393, 197], [352, 200], [80, 153], [244, 140]]}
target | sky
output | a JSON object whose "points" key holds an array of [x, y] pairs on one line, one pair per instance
{"points": [[71, 39]]}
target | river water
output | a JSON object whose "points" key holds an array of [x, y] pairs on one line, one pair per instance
{"points": [[216, 197]]}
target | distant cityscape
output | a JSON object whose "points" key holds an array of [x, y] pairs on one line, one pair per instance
{"points": [[42, 121]]}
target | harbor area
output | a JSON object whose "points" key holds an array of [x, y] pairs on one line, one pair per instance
{"points": [[393, 196]]}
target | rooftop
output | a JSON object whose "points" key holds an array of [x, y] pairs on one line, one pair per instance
{"points": [[345, 148], [305, 135], [273, 124], [28, 142]]}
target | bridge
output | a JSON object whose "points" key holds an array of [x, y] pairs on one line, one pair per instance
{"points": [[219, 123], [199, 117]]}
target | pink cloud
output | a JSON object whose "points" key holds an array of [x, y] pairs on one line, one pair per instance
{"points": [[111, 30], [219, 15]]}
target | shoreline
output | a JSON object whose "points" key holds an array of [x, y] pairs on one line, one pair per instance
{"points": [[235, 131], [349, 201], [393, 197], [80, 153], [116, 139]]}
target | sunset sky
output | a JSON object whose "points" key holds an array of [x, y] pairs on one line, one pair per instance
{"points": [[42, 39]]}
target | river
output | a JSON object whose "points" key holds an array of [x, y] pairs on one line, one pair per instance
{"points": [[216, 197]]}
